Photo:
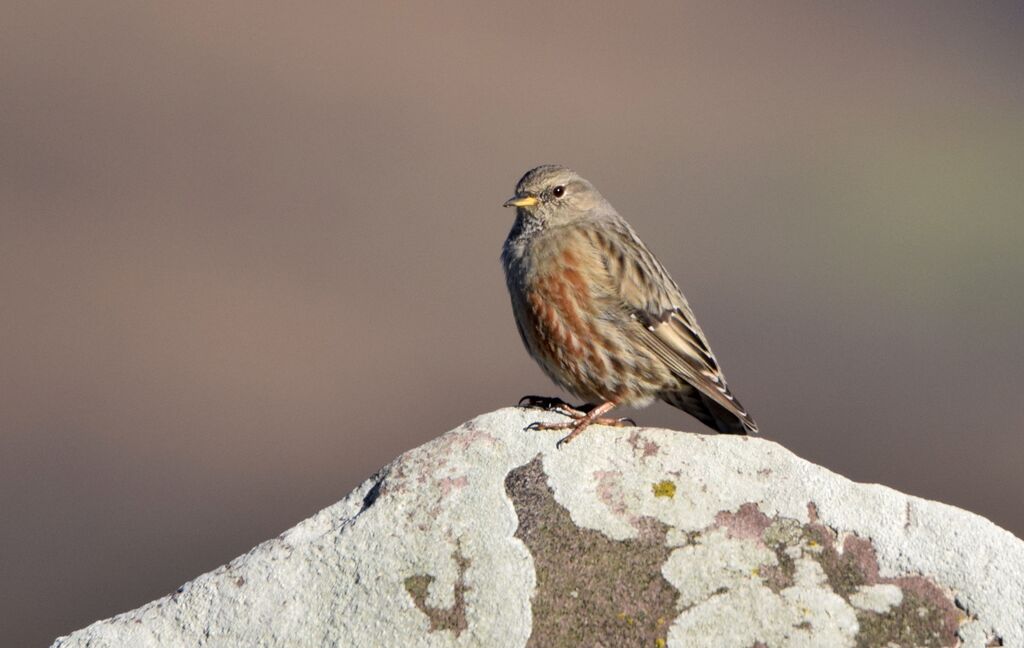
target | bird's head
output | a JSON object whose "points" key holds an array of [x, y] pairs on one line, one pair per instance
{"points": [[554, 195]]}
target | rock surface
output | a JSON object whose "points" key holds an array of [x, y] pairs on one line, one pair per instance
{"points": [[488, 535]]}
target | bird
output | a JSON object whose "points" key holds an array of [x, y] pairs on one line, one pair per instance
{"points": [[601, 315]]}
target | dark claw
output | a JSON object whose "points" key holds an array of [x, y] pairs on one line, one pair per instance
{"points": [[563, 441], [626, 419], [542, 402], [533, 427]]}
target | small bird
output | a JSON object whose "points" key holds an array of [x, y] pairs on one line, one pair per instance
{"points": [[601, 315]]}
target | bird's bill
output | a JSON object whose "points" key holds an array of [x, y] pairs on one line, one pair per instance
{"points": [[521, 201]]}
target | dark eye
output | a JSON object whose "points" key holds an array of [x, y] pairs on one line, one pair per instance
{"points": [[558, 191]]}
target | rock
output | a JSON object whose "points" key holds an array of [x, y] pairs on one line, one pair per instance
{"points": [[490, 536]]}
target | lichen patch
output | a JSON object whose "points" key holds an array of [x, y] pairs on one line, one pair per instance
{"points": [[451, 618], [760, 580], [906, 611], [747, 523], [642, 446], [591, 590], [664, 488]]}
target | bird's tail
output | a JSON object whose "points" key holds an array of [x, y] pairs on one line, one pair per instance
{"points": [[710, 413]]}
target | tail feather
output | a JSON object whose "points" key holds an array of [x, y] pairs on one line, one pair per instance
{"points": [[709, 412]]}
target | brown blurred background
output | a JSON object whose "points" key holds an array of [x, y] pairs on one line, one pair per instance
{"points": [[249, 253]]}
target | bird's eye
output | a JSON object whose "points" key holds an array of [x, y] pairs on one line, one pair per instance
{"points": [[558, 191]]}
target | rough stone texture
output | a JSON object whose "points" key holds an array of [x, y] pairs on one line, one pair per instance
{"points": [[488, 535]]}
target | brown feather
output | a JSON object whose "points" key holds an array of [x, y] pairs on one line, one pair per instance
{"points": [[600, 313]]}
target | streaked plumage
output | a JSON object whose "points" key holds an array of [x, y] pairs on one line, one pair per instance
{"points": [[599, 312]]}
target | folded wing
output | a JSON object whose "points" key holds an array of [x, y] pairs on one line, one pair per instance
{"points": [[666, 326]]}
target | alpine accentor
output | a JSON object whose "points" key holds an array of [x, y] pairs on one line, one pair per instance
{"points": [[600, 314]]}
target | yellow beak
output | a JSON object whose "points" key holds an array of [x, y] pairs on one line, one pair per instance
{"points": [[521, 201]]}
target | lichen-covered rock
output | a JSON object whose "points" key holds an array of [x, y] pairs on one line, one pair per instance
{"points": [[490, 536]]}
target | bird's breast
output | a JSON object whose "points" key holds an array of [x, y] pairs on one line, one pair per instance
{"points": [[570, 334]]}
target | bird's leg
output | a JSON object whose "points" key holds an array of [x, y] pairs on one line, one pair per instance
{"points": [[580, 423], [555, 404]]}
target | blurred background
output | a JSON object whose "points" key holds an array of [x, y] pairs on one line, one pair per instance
{"points": [[249, 251]]}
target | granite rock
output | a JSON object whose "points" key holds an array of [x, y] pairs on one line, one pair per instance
{"points": [[489, 535]]}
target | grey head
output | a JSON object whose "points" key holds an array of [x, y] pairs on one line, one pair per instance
{"points": [[556, 195]]}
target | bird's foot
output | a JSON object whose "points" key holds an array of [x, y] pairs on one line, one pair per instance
{"points": [[581, 421], [555, 404]]}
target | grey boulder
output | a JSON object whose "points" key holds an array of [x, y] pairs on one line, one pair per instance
{"points": [[490, 536]]}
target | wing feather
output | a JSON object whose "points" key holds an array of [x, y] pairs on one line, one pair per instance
{"points": [[665, 323]]}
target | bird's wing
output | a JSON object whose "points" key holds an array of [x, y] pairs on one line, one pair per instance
{"points": [[664, 321]]}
